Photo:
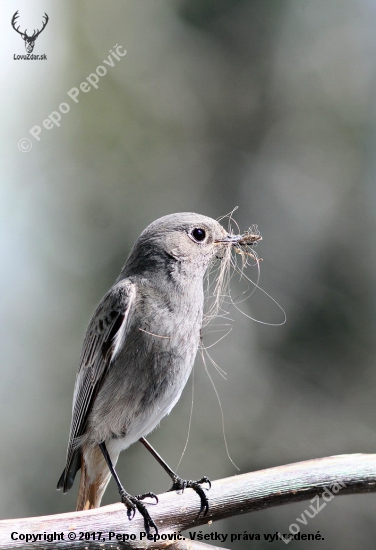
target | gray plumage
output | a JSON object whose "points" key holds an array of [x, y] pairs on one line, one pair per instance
{"points": [[140, 346]]}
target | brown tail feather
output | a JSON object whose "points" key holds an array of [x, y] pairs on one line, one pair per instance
{"points": [[90, 494]]}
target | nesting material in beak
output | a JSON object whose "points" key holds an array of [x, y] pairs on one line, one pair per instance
{"points": [[241, 242], [248, 238]]}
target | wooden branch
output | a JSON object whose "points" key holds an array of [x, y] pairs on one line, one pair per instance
{"points": [[342, 475]]}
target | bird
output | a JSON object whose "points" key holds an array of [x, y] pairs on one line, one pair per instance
{"points": [[138, 353]]}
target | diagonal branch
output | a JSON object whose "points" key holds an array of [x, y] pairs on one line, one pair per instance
{"points": [[250, 492]]}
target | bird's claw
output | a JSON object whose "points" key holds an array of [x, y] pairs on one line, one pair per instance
{"points": [[147, 495], [180, 484], [134, 503]]}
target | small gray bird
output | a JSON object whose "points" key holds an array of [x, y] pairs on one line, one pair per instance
{"points": [[138, 352]]}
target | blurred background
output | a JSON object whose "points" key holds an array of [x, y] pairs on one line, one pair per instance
{"points": [[263, 104]]}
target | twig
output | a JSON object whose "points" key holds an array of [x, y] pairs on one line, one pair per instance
{"points": [[178, 512]]}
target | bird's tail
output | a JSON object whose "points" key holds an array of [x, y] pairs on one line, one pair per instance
{"points": [[91, 491]]}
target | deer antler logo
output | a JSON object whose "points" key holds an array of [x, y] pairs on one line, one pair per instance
{"points": [[29, 40]]}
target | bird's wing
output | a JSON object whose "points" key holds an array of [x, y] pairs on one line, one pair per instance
{"points": [[101, 344]]}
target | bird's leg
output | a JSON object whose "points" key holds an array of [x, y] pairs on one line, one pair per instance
{"points": [[131, 502], [178, 483]]}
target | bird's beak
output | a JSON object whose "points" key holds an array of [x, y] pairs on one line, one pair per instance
{"points": [[230, 239], [247, 239]]}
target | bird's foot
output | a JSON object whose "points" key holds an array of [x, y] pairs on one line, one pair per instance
{"points": [[180, 484], [134, 503]]}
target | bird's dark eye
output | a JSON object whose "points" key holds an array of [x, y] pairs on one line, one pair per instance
{"points": [[198, 234]]}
